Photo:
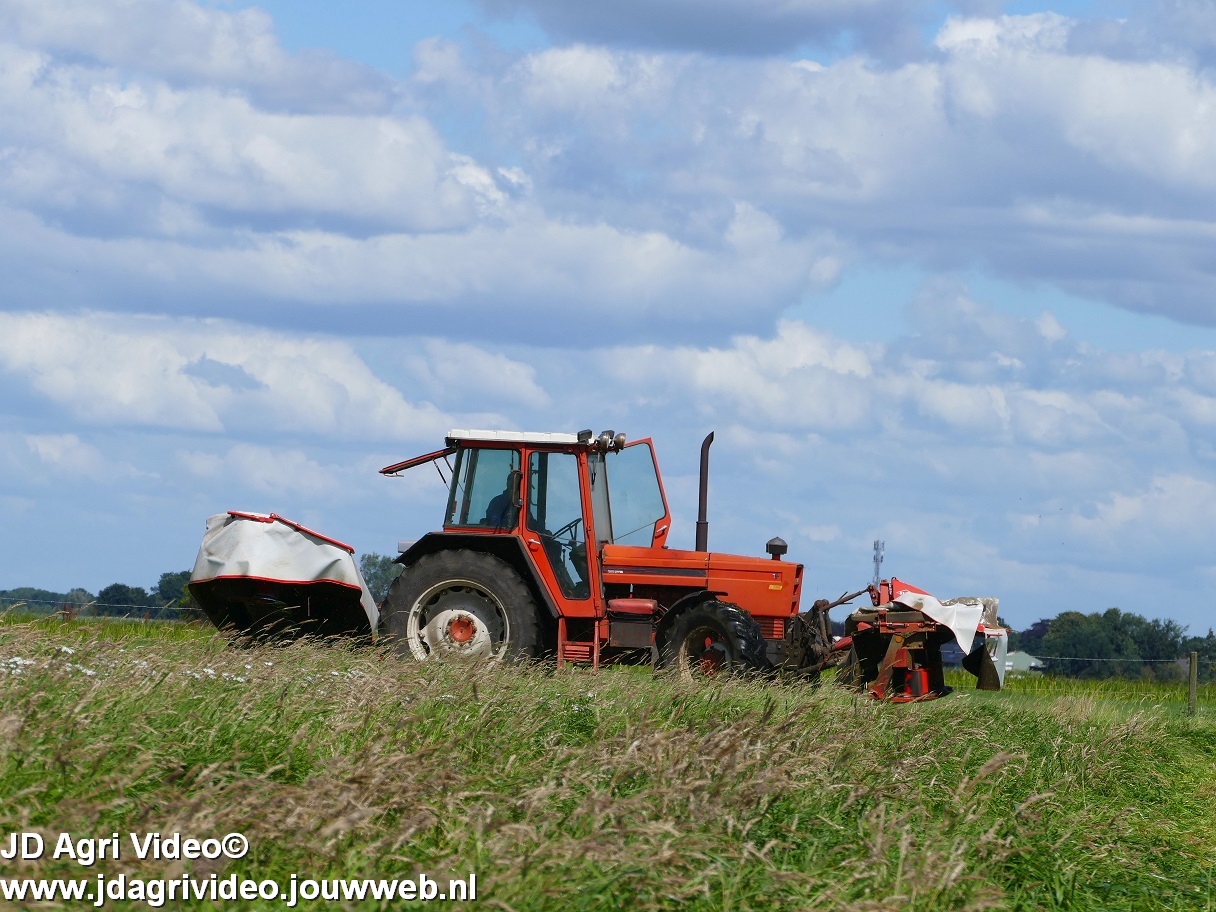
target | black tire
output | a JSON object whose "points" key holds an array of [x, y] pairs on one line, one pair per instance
{"points": [[715, 637], [462, 605]]}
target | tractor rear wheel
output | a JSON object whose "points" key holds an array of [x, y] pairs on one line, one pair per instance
{"points": [[715, 638], [462, 605]]}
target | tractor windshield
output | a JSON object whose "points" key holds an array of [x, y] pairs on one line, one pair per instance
{"points": [[481, 492], [626, 496]]}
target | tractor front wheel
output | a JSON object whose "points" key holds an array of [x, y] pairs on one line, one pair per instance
{"points": [[462, 605], [714, 638]]}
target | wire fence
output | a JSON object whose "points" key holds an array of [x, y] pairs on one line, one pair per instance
{"points": [[1135, 660], [54, 606], [1205, 664]]}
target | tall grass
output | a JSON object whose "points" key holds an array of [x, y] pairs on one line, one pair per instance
{"points": [[109, 628], [1146, 692], [571, 790]]}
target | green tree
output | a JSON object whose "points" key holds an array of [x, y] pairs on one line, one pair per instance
{"points": [[179, 603], [172, 585], [1206, 647], [1111, 644], [1092, 645], [119, 599], [1031, 639], [378, 572], [44, 601], [79, 597], [1159, 644]]}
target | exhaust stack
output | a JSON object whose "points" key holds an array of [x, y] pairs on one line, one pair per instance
{"points": [[703, 496]]}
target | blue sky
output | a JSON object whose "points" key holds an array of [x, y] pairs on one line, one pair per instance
{"points": [[936, 273]]}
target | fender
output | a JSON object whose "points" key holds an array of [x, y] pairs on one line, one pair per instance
{"points": [[678, 607], [507, 548]]}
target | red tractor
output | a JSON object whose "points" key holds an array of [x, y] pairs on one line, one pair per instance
{"points": [[556, 543]]}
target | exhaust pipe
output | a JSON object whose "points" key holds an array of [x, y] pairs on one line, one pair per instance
{"points": [[703, 496]]}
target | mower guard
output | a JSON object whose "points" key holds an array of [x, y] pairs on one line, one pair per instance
{"points": [[261, 574], [895, 646]]}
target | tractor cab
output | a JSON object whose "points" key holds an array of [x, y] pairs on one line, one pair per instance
{"points": [[563, 496]]}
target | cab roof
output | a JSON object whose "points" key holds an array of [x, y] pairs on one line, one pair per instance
{"points": [[456, 436]]}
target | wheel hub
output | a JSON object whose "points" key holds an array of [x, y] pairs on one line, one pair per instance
{"points": [[460, 622], [705, 653], [461, 629]]}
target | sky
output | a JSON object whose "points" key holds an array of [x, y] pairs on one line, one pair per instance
{"points": [[940, 274]]}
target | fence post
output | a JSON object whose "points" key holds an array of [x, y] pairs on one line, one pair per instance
{"points": [[1193, 690]]}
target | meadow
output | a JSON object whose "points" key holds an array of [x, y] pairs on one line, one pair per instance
{"points": [[567, 790]]}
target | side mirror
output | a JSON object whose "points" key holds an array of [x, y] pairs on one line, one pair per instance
{"points": [[515, 484]]}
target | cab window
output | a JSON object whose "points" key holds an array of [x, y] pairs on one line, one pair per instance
{"points": [[635, 499], [481, 492], [555, 514]]}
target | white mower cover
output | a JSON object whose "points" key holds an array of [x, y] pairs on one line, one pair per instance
{"points": [[966, 617], [267, 547], [962, 617]]}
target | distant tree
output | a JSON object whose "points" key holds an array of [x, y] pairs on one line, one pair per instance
{"points": [[378, 572], [172, 585], [1159, 644], [1206, 647], [1031, 639], [1111, 644], [1091, 645], [44, 601], [119, 599], [79, 597], [179, 603]]}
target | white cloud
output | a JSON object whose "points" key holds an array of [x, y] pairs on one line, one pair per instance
{"points": [[468, 373], [266, 470], [66, 453], [190, 42], [1010, 149], [798, 378], [105, 376], [535, 268], [1154, 526], [1175, 500], [66, 461], [125, 372], [658, 181], [82, 139]]}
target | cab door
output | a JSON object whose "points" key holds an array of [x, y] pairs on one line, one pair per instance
{"points": [[556, 530]]}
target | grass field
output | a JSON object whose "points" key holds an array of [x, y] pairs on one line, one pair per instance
{"points": [[568, 790]]}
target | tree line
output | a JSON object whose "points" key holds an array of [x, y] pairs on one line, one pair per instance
{"points": [[1114, 644], [169, 599]]}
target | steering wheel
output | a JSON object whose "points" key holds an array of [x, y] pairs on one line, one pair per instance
{"points": [[568, 528]]}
